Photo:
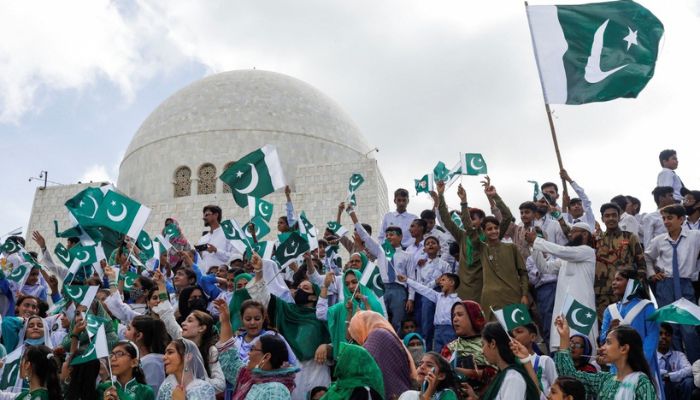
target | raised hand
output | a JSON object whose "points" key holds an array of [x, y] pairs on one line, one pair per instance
{"points": [[328, 280], [436, 199], [518, 349], [462, 193], [222, 307], [565, 176], [257, 262], [440, 185], [36, 236]]}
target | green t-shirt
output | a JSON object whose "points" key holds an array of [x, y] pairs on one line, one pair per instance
{"points": [[132, 391], [38, 394]]}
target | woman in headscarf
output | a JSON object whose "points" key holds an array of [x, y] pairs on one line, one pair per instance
{"points": [[356, 373], [465, 353], [415, 344], [150, 337], [373, 332], [131, 382], [581, 350], [187, 376], [266, 375], [515, 377], [34, 332]]}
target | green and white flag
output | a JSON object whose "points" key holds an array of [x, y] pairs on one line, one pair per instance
{"points": [[580, 317], [88, 235], [440, 172], [336, 228], [28, 258], [58, 307], [389, 250], [164, 243], [172, 231], [457, 219], [10, 372], [264, 250], [356, 180], [372, 279], [424, 184], [308, 231], [81, 294], [455, 173], [149, 247], [94, 323], [332, 254], [83, 256], [474, 164], [537, 194], [121, 214], [20, 274], [352, 199], [261, 228], [594, 52], [63, 255], [260, 208], [96, 350], [84, 205], [10, 246], [293, 246], [681, 311], [513, 316], [129, 279], [256, 174], [235, 235]]}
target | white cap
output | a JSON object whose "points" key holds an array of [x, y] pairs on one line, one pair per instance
{"points": [[582, 225]]}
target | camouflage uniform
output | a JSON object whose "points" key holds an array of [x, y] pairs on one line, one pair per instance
{"points": [[615, 250]]}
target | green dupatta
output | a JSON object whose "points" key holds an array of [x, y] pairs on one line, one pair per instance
{"points": [[355, 368], [531, 391], [337, 313]]}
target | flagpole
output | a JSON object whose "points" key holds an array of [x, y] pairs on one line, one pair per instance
{"points": [[546, 106]]}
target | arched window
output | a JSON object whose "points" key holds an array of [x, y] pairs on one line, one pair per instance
{"points": [[207, 179], [183, 182], [227, 188]]}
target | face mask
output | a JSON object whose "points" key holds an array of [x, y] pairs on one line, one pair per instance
{"points": [[34, 342], [301, 298], [197, 304], [416, 352], [135, 293]]}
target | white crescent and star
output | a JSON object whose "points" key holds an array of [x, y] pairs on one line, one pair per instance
{"points": [[292, 247], [92, 350], [82, 259], [95, 206], [64, 257], [150, 245], [593, 73], [355, 182], [474, 166], [377, 284], [253, 181], [262, 207], [512, 315], [75, 289], [120, 217], [19, 271], [574, 319]]}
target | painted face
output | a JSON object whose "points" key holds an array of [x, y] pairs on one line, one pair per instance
{"points": [[172, 361], [121, 360], [461, 322], [35, 329], [192, 329], [619, 284], [253, 321]]}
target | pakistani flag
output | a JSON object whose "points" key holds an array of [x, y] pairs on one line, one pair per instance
{"points": [[88, 235], [171, 231], [513, 316], [594, 52], [264, 250], [292, 247], [457, 219], [334, 257], [164, 243], [537, 194], [96, 350], [147, 246], [336, 228], [10, 372], [83, 255], [28, 258], [372, 279], [235, 235], [440, 172], [20, 274], [389, 250], [308, 231], [94, 323], [84, 205], [129, 279], [474, 164], [261, 228], [80, 294], [256, 174], [10, 246], [259, 208], [121, 214], [681, 311], [424, 184], [356, 180], [58, 307], [63, 255], [580, 317]]}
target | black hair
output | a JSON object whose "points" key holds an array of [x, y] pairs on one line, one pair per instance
{"points": [[316, 390], [660, 191], [365, 393], [45, 367], [154, 334], [188, 271], [368, 228], [136, 372], [421, 223], [74, 240], [620, 200], [17, 240], [400, 193], [695, 194], [479, 212], [408, 319], [490, 220], [643, 290], [214, 210], [575, 200], [571, 386], [322, 242], [493, 331], [549, 184], [80, 376], [432, 238], [453, 277], [427, 214], [635, 201], [531, 328], [450, 380], [146, 283], [395, 230], [626, 335], [277, 348], [607, 206], [528, 205], [665, 155], [454, 249], [674, 209], [184, 299], [665, 326]]}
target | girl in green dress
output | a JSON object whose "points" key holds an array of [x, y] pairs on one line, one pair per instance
{"points": [[131, 382], [623, 347], [41, 369]]}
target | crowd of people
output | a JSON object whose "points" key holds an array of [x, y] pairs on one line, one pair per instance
{"points": [[206, 322]]}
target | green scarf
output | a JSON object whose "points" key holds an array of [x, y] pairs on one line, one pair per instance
{"points": [[337, 313], [470, 247], [355, 368], [247, 277], [299, 326], [234, 307], [531, 392]]}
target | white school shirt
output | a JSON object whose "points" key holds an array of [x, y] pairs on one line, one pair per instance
{"points": [[403, 221], [668, 177], [660, 255], [652, 226], [427, 274], [629, 223], [443, 303], [224, 249]]}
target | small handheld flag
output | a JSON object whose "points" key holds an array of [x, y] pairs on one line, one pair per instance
{"points": [[580, 317], [513, 316]]}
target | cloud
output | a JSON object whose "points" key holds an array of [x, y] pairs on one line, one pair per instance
{"points": [[96, 173]]}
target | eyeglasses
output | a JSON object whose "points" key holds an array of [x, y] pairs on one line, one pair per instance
{"points": [[575, 346], [118, 354]]}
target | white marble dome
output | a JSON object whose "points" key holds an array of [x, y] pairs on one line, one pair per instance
{"points": [[216, 120]]}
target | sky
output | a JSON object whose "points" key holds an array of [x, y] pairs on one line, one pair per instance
{"points": [[422, 80]]}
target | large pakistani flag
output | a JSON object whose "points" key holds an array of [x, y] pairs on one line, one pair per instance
{"points": [[290, 248], [594, 52], [235, 235], [120, 213], [260, 208], [256, 174]]}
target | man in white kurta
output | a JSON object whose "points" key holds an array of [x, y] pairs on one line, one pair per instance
{"points": [[575, 265]]}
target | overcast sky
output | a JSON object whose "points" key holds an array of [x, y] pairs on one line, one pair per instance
{"points": [[422, 80]]}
